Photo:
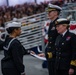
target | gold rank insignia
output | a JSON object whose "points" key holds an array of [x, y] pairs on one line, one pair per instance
{"points": [[48, 10], [49, 54], [73, 62]]}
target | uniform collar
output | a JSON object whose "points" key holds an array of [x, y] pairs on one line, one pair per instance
{"points": [[64, 33], [55, 19]]}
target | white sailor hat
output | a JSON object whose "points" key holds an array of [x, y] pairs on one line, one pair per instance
{"points": [[52, 7], [62, 21], [13, 24]]}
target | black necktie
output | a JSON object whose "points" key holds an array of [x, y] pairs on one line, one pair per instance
{"points": [[61, 35], [60, 38]]}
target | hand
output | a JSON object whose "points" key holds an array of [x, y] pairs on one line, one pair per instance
{"points": [[71, 71], [41, 55], [32, 52], [23, 74]]}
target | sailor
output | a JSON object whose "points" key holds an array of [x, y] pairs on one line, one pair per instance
{"points": [[12, 63]]}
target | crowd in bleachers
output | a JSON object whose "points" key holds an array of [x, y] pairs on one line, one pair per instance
{"points": [[8, 13], [19, 11], [68, 1]]}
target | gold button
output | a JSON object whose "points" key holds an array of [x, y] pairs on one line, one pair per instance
{"points": [[59, 57], [59, 53], [50, 42], [50, 37], [49, 47], [56, 48]]}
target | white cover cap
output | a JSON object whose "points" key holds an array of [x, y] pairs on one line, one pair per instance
{"points": [[13, 24], [54, 6], [62, 21]]}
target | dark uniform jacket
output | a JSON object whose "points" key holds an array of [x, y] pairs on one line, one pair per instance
{"points": [[2, 38], [65, 51], [1, 44], [52, 34], [13, 55]]}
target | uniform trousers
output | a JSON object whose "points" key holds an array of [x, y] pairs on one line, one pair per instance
{"points": [[62, 72], [9, 71], [51, 67]]}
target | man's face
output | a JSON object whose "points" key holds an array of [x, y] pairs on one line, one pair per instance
{"points": [[61, 28], [52, 14]]}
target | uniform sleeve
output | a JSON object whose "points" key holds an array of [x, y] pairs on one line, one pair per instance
{"points": [[43, 29], [25, 51], [73, 44], [17, 56], [1, 45]]}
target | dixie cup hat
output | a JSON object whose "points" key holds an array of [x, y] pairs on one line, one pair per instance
{"points": [[13, 24]]}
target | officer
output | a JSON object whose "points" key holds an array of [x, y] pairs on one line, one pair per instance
{"points": [[53, 14], [12, 63], [65, 61]]}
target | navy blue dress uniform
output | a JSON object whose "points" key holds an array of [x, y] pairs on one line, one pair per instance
{"points": [[65, 51], [2, 36], [12, 63], [52, 34]]}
